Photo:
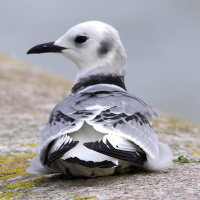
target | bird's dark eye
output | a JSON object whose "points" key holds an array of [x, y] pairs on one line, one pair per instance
{"points": [[81, 39]]}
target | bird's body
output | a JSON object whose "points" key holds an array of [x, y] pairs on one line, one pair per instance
{"points": [[99, 128]]}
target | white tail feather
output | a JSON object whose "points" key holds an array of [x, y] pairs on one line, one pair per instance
{"points": [[36, 167], [162, 162]]}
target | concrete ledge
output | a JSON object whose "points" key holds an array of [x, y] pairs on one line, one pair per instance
{"points": [[27, 98]]}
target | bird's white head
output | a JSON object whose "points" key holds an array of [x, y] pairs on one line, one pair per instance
{"points": [[93, 46]]}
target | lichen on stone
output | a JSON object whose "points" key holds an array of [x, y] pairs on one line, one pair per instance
{"points": [[14, 167], [19, 185], [31, 145], [4, 160], [195, 152], [15, 170], [85, 198], [7, 195], [13, 176], [39, 179]]}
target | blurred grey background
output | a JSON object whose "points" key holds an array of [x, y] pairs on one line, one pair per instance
{"points": [[161, 39]]}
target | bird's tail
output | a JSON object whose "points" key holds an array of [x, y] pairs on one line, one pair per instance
{"points": [[36, 167], [162, 162]]}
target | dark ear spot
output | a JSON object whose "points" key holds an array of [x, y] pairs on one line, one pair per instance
{"points": [[105, 47]]}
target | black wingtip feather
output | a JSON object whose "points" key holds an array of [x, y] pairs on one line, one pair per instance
{"points": [[56, 154], [90, 164], [109, 150]]}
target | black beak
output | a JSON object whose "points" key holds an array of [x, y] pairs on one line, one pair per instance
{"points": [[46, 48]]}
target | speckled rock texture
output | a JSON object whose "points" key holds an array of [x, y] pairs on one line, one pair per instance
{"points": [[26, 100]]}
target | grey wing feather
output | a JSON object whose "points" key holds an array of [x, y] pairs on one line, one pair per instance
{"points": [[130, 120], [90, 104], [58, 125], [136, 129]]}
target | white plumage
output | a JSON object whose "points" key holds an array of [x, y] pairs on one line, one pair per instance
{"points": [[99, 128]]}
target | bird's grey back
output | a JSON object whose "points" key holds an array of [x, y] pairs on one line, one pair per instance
{"points": [[92, 104]]}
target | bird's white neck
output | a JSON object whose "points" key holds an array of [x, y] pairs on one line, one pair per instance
{"points": [[113, 63]]}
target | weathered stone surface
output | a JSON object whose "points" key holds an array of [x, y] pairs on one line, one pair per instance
{"points": [[26, 99]]}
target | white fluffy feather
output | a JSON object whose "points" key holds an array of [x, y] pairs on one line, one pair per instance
{"points": [[162, 162], [36, 167]]}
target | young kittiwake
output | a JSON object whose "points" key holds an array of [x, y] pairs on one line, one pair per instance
{"points": [[100, 128]]}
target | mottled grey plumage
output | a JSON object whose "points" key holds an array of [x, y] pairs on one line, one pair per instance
{"points": [[91, 105]]}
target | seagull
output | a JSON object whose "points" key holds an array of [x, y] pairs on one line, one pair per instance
{"points": [[100, 129]]}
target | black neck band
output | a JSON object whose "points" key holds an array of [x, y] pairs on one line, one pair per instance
{"points": [[98, 79]]}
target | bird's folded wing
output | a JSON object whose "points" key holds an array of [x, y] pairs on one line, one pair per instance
{"points": [[58, 125], [109, 109], [58, 147], [117, 147], [130, 127]]}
